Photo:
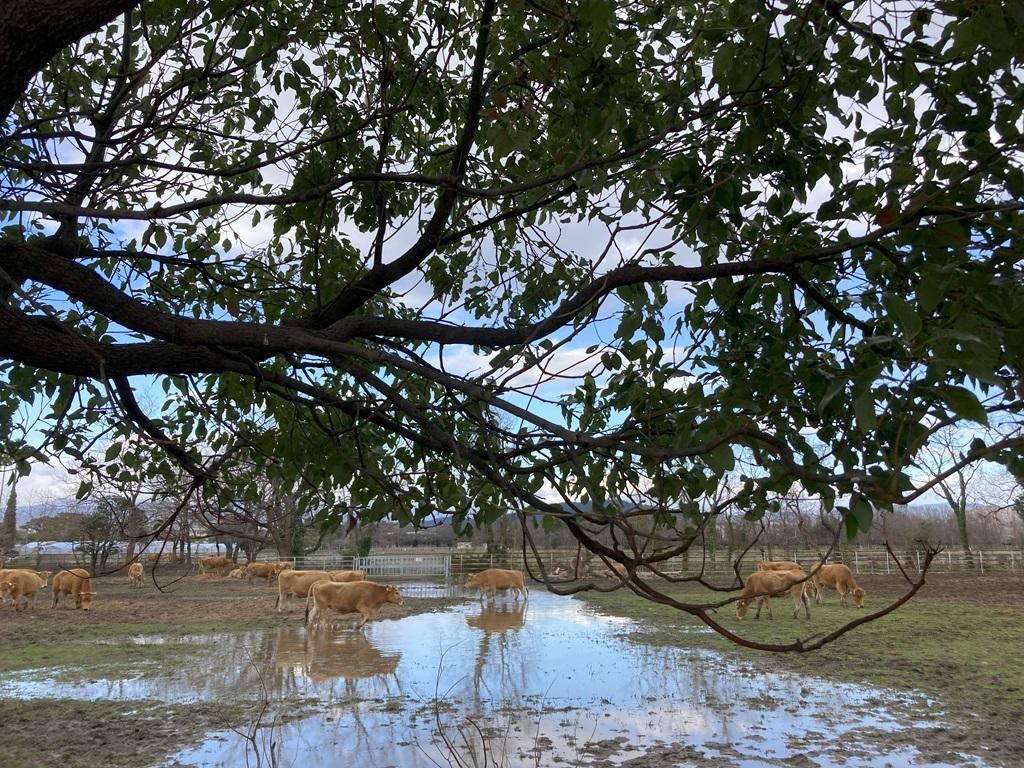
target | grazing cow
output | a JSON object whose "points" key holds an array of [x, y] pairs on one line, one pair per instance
{"points": [[297, 583], [215, 563], [493, 579], [135, 574], [362, 597], [840, 578], [762, 585], [346, 576], [20, 585], [73, 582], [265, 570]]}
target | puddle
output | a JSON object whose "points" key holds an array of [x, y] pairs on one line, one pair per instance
{"points": [[551, 676]]}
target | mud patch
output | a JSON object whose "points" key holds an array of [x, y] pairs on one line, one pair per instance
{"points": [[78, 734]]}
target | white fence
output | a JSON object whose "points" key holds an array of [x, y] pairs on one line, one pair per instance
{"points": [[455, 565]]}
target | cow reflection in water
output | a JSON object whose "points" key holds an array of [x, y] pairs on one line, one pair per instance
{"points": [[325, 656], [499, 644]]}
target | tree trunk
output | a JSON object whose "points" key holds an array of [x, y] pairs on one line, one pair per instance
{"points": [[961, 526]]}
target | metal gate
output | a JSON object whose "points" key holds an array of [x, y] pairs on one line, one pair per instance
{"points": [[404, 566]]}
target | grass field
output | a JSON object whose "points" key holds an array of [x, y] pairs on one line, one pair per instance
{"points": [[959, 640]]}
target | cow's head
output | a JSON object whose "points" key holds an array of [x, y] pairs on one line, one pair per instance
{"points": [[83, 600], [45, 576], [393, 595], [473, 580], [858, 597], [741, 608], [281, 567], [6, 590]]}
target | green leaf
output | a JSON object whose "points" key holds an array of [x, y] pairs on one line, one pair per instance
{"points": [[963, 403], [903, 313], [864, 410]]}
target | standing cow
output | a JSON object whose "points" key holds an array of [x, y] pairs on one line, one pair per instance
{"points": [[761, 586], [840, 578], [135, 574], [297, 583], [73, 582], [20, 586], [362, 597], [493, 579]]}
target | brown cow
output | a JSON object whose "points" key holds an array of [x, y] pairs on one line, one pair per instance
{"points": [[215, 563], [493, 579], [840, 578], [44, 575], [73, 582], [297, 583], [237, 573], [619, 570], [778, 565], [362, 597], [762, 585], [135, 574], [346, 576], [264, 570], [17, 585]]}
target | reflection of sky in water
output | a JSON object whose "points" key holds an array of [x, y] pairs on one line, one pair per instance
{"points": [[555, 672]]}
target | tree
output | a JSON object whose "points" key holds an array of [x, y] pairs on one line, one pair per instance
{"points": [[655, 239], [9, 527]]}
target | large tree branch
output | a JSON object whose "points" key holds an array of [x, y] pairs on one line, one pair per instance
{"points": [[33, 31]]}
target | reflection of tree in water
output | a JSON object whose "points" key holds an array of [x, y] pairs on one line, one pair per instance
{"points": [[500, 624]]}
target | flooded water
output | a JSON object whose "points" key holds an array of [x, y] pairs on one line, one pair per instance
{"points": [[508, 684]]}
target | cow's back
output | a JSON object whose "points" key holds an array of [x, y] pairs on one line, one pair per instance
{"points": [[299, 582]]}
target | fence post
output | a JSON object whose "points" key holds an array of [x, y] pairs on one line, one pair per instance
{"points": [[856, 561], [886, 562], [1011, 559], [981, 560], [917, 556]]}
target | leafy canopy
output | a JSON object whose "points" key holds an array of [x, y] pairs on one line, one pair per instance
{"points": [[454, 256]]}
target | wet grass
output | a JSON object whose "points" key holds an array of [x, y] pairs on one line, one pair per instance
{"points": [[959, 652]]}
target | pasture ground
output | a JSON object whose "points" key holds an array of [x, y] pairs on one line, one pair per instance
{"points": [[86, 645], [960, 640]]}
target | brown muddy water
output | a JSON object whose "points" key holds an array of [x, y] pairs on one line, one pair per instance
{"points": [[513, 685]]}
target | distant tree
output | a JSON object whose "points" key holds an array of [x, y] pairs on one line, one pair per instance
{"points": [[9, 527], [62, 526], [100, 534]]}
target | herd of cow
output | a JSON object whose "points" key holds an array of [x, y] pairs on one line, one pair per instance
{"points": [[349, 591]]}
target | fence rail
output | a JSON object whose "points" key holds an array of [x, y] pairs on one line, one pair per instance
{"points": [[456, 565]]}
